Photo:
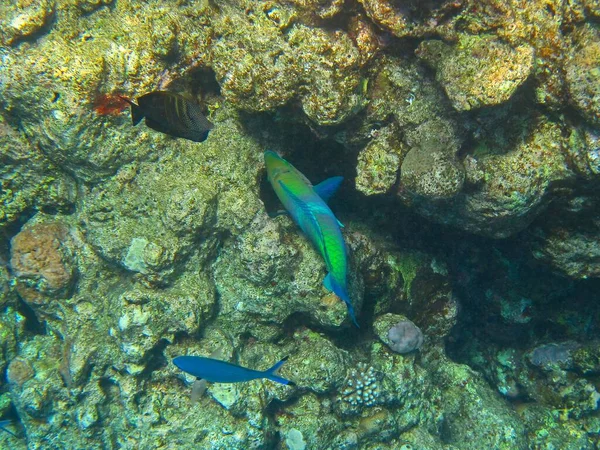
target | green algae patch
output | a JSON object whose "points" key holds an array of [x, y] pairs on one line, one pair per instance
{"points": [[407, 265]]}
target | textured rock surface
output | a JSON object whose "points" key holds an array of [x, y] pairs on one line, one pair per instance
{"points": [[122, 248], [42, 260], [478, 71], [583, 73]]}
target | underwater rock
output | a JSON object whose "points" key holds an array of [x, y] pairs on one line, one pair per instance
{"points": [[30, 182], [583, 73], [89, 6], [406, 387], [175, 207], [323, 9], [67, 79], [569, 244], [364, 35], [517, 184], [417, 286], [25, 20], [42, 260], [330, 64], [549, 433], [478, 71], [142, 317], [271, 67], [586, 359], [378, 163], [468, 399], [6, 292], [430, 173], [413, 19], [271, 273], [316, 364], [253, 63], [19, 371], [312, 419]]}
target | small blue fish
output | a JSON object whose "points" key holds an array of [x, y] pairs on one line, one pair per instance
{"points": [[217, 371], [4, 424]]}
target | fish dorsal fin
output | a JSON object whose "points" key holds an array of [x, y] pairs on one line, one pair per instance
{"points": [[326, 189]]}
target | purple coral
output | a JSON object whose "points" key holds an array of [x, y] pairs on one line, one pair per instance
{"points": [[405, 337]]}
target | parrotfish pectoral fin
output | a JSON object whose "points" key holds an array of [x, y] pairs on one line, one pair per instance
{"points": [[270, 373], [326, 189], [334, 287]]}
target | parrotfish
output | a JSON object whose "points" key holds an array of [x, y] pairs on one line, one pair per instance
{"points": [[217, 371], [171, 114], [307, 206]]}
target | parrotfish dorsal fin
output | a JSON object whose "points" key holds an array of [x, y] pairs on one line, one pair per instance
{"points": [[326, 189]]}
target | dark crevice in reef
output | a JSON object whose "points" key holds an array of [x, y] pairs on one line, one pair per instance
{"points": [[154, 359], [32, 324]]}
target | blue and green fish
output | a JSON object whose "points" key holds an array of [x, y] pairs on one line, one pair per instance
{"points": [[307, 206]]}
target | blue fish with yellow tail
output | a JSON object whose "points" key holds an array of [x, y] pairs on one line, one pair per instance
{"points": [[307, 206], [217, 371]]}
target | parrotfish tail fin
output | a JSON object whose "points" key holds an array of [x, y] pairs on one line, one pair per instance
{"points": [[331, 285], [136, 112], [326, 189], [271, 373]]}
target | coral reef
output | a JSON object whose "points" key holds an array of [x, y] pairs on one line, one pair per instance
{"points": [[454, 123], [398, 333], [362, 387], [478, 71], [42, 262]]}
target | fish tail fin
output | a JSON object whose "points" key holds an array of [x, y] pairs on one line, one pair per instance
{"points": [[271, 373], [136, 112], [333, 286]]}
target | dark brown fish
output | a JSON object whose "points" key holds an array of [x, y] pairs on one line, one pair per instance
{"points": [[171, 114]]}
